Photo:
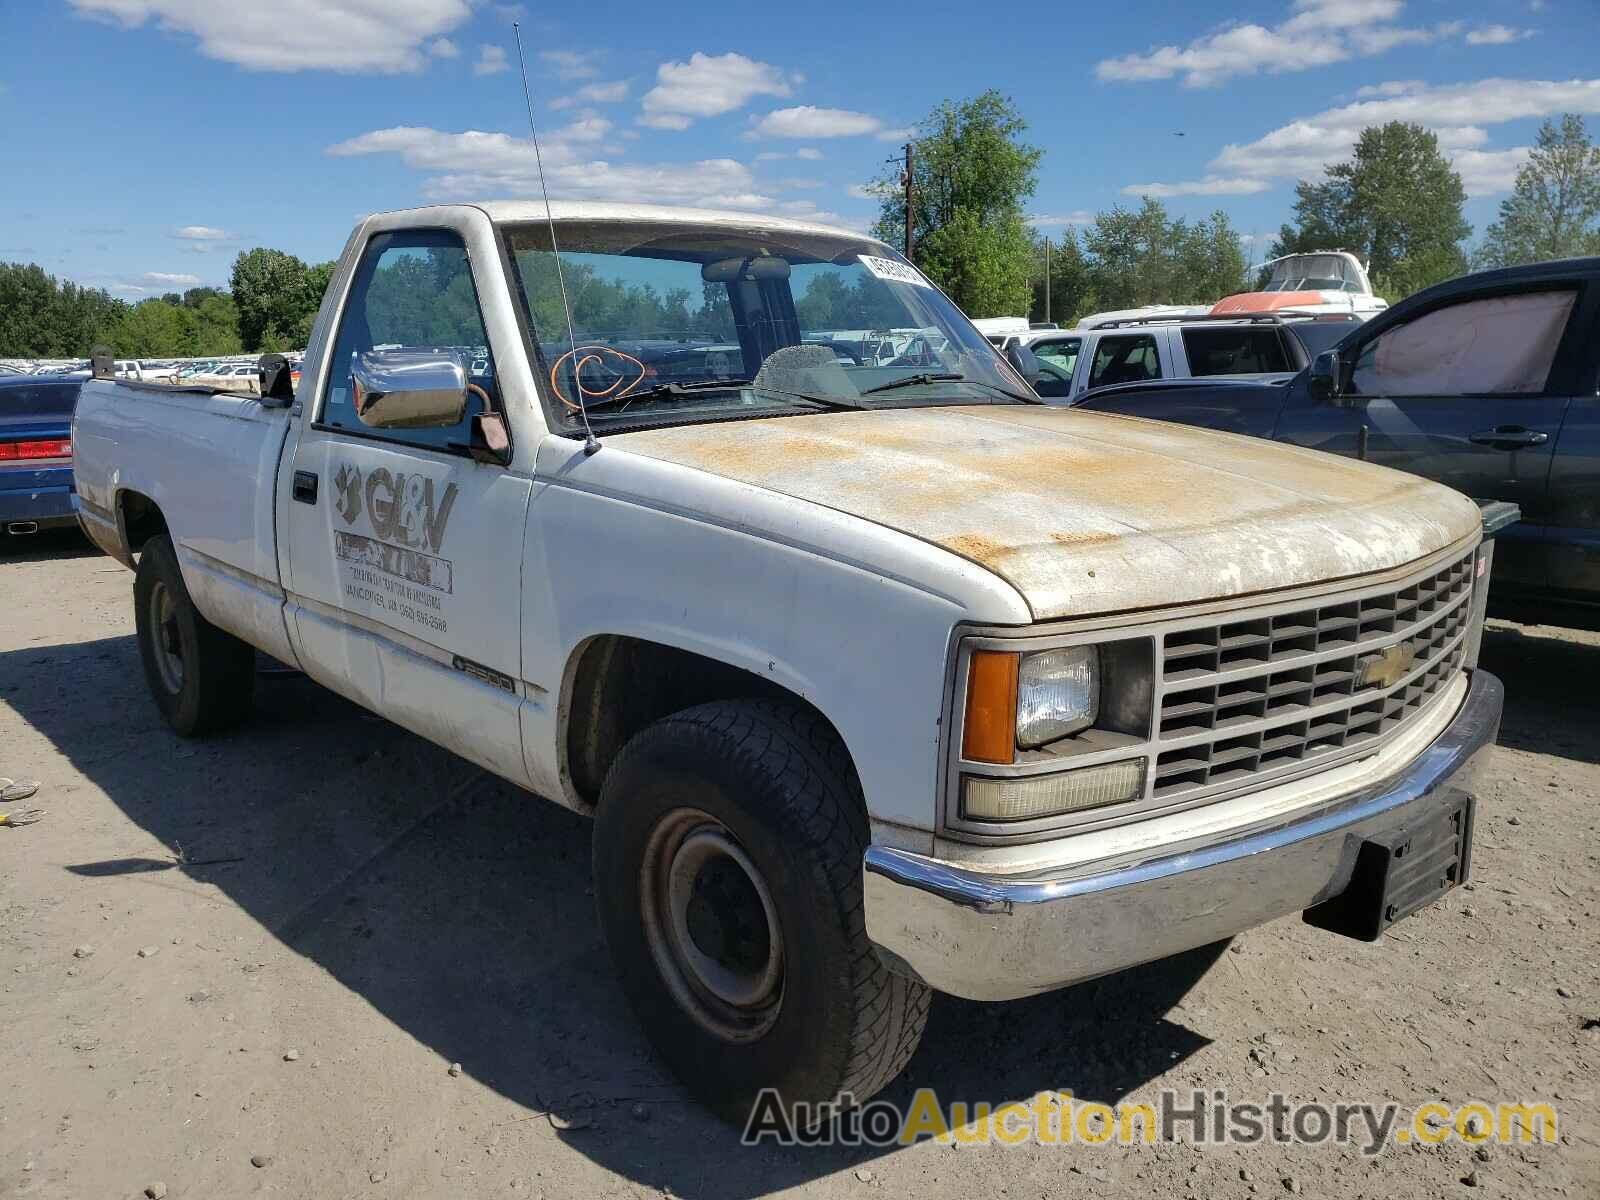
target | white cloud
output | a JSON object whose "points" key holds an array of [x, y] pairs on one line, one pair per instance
{"points": [[1080, 216], [444, 48], [866, 191], [297, 35], [1497, 35], [1456, 113], [809, 121], [594, 93], [1486, 172], [1319, 32], [808, 153], [750, 200], [708, 86], [491, 60], [588, 127], [474, 164], [1211, 185], [1393, 88], [202, 233], [571, 64], [166, 279]]}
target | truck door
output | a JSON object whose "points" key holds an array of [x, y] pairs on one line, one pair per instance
{"points": [[1466, 393], [404, 580]]}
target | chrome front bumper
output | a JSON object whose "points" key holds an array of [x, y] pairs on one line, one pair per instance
{"points": [[988, 936]]}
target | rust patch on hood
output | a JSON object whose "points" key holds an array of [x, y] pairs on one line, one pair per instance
{"points": [[1088, 512]]}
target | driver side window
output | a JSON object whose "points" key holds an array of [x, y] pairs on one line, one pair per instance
{"points": [[412, 291], [1057, 360]]}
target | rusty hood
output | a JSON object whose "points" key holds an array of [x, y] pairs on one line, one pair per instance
{"points": [[1087, 512]]}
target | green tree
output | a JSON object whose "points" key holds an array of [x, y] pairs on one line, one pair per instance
{"points": [[154, 329], [971, 175], [984, 265], [1396, 203], [1554, 206], [1146, 256], [276, 294], [41, 317]]}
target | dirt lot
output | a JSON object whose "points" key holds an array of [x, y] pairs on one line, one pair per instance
{"points": [[290, 934]]}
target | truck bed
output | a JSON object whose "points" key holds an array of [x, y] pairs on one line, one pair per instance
{"points": [[219, 502]]}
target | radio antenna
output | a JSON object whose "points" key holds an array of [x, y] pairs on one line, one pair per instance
{"points": [[590, 443]]}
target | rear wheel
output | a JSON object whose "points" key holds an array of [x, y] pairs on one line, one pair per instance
{"points": [[202, 679], [727, 854]]}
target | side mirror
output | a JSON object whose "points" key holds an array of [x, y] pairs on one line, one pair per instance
{"points": [[408, 389], [1325, 378]]}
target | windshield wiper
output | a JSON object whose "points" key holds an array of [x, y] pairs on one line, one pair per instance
{"points": [[1017, 396], [673, 391], [664, 391], [949, 377], [912, 380]]}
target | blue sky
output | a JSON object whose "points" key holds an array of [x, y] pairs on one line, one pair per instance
{"points": [[148, 141]]}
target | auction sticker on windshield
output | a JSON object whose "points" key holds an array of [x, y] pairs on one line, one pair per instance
{"points": [[893, 272]]}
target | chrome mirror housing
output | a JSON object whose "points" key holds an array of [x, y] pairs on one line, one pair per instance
{"points": [[408, 389]]}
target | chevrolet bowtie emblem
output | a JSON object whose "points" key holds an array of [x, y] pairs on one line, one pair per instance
{"points": [[1388, 668]]}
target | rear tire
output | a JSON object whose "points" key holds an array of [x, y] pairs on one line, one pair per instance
{"points": [[202, 679], [727, 860]]}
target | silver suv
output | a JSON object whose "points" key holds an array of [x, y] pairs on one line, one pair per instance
{"points": [[1068, 364]]}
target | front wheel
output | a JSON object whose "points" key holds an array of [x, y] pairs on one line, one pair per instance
{"points": [[202, 678], [727, 856]]}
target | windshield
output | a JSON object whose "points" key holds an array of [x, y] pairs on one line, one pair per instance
{"points": [[678, 321], [1314, 273]]}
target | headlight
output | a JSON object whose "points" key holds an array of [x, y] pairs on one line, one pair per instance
{"points": [[1058, 694]]}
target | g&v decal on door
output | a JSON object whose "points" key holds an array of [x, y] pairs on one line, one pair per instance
{"points": [[390, 564]]}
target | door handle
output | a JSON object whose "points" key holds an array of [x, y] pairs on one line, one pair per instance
{"points": [[305, 487], [1508, 437]]}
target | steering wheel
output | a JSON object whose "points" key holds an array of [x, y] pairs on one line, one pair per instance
{"points": [[918, 354]]}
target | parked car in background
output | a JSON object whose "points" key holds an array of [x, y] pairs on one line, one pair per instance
{"points": [[876, 678], [36, 486], [1070, 363], [1487, 383]]}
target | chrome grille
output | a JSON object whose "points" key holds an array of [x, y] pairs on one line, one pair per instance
{"points": [[1243, 701]]}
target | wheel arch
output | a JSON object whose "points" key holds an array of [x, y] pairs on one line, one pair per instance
{"points": [[139, 518], [615, 685]]}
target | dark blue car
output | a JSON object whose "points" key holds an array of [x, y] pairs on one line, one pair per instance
{"points": [[36, 489]]}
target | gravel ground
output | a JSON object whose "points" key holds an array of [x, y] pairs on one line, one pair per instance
{"points": [[247, 966]]}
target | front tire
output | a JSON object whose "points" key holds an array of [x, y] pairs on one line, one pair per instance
{"points": [[727, 859], [202, 678]]}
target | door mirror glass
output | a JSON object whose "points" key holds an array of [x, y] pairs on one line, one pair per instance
{"points": [[1323, 377], [408, 389]]}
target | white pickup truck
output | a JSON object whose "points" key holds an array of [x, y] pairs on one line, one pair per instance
{"points": [[877, 677]]}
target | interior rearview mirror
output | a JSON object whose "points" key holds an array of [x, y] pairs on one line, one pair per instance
{"points": [[1324, 379], [408, 389], [755, 268]]}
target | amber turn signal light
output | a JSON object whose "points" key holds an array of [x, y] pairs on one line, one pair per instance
{"points": [[989, 733]]}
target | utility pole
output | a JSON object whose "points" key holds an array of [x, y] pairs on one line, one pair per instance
{"points": [[1047, 279], [908, 180]]}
